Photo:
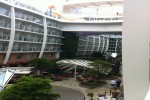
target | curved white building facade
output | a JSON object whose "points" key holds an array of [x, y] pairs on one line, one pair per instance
{"points": [[99, 43], [27, 33]]}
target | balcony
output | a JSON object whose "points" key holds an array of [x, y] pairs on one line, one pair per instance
{"points": [[28, 18], [4, 12], [53, 24], [29, 39], [4, 37], [53, 41], [30, 29], [26, 48], [5, 24], [3, 48], [52, 49]]}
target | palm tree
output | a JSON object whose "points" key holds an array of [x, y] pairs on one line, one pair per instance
{"points": [[100, 68], [90, 95]]}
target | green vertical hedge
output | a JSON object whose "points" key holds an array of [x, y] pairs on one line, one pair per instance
{"points": [[70, 45]]}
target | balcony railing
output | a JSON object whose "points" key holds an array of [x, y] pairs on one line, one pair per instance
{"points": [[52, 49], [29, 29], [54, 24], [25, 48], [54, 41], [4, 24], [3, 48], [4, 37], [90, 17], [28, 38], [29, 18], [4, 11]]}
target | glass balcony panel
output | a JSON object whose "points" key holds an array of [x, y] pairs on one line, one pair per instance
{"points": [[1, 23], [28, 28], [17, 48], [26, 38], [30, 18], [3, 48], [2, 11], [7, 24], [23, 16], [18, 15], [4, 36], [39, 21], [22, 27], [25, 49]]}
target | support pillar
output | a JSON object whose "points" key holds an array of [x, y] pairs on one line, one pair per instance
{"points": [[136, 31]]}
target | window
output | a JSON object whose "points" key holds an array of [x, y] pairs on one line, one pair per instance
{"points": [[30, 55], [19, 56]]}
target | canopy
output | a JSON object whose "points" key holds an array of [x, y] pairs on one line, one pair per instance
{"points": [[7, 73]]}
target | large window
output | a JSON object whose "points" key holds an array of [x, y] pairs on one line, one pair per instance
{"points": [[19, 56]]}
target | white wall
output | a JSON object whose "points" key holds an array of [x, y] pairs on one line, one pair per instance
{"points": [[93, 27], [136, 30]]}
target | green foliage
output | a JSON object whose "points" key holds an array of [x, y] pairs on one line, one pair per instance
{"points": [[97, 55], [119, 57], [90, 95], [42, 63], [29, 88], [70, 45], [100, 68], [93, 83]]}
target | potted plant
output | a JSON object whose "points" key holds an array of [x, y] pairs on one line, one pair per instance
{"points": [[90, 95]]}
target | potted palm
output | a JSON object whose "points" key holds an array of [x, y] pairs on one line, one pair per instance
{"points": [[90, 95]]}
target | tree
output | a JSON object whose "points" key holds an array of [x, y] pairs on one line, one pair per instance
{"points": [[100, 68], [90, 95], [41, 64], [98, 55], [118, 63], [29, 88]]}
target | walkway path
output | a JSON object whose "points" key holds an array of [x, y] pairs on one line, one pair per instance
{"points": [[74, 84], [67, 93]]}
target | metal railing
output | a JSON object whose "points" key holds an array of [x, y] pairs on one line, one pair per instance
{"points": [[4, 24], [4, 37], [3, 48], [25, 48], [28, 38], [94, 19]]}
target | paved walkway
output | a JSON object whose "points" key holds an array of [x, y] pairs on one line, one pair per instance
{"points": [[67, 93], [74, 84]]}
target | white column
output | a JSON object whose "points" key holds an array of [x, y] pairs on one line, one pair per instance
{"points": [[103, 39], [75, 72], [44, 37], [86, 46], [57, 55], [107, 45], [116, 45], [99, 44], [12, 36], [136, 31], [93, 44], [83, 70]]}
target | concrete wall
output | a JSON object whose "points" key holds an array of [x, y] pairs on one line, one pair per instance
{"points": [[92, 27], [136, 30]]}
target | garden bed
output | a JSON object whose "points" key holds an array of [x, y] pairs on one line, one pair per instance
{"points": [[92, 84]]}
